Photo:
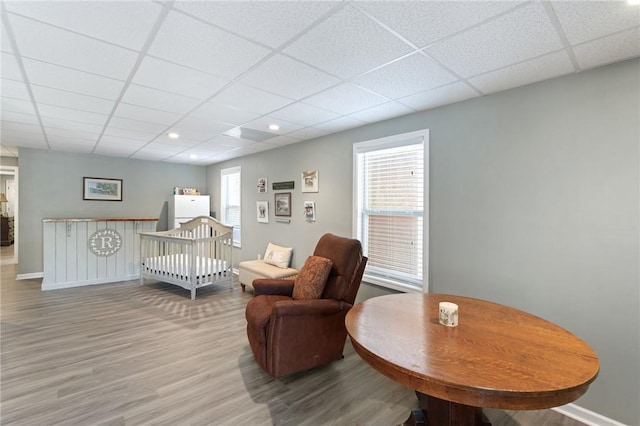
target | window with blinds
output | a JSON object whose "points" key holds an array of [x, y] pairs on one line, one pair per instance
{"points": [[390, 178], [230, 200]]}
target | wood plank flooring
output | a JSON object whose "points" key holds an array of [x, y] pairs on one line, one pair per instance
{"points": [[122, 354]]}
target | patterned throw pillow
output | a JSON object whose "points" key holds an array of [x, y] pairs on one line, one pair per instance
{"points": [[312, 278], [277, 255]]}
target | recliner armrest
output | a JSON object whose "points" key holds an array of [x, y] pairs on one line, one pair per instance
{"points": [[313, 307], [273, 287]]}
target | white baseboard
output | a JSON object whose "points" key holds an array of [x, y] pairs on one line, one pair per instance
{"points": [[585, 416], [31, 276], [71, 284]]}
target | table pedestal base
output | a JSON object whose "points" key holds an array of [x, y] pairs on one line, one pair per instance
{"points": [[438, 412]]}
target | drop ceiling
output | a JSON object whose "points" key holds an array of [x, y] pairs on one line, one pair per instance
{"points": [[115, 77]]}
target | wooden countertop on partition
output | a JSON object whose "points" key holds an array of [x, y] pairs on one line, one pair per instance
{"points": [[103, 219]]}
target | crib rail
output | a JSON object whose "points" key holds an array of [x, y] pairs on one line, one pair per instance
{"points": [[198, 253]]}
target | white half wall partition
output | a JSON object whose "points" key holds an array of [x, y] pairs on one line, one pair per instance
{"points": [[79, 252]]}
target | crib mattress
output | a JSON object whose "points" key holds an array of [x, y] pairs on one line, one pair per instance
{"points": [[179, 266]]}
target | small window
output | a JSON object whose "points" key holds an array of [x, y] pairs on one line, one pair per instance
{"points": [[391, 206], [230, 207]]}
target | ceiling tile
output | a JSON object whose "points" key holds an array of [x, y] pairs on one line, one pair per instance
{"points": [[271, 23], [415, 73], [440, 96], [175, 78], [303, 114], [586, 20], [71, 146], [136, 125], [340, 124], [263, 123], [16, 105], [47, 43], [9, 67], [146, 114], [115, 150], [347, 44], [610, 49], [425, 22], [14, 89], [345, 99], [62, 78], [132, 135], [5, 43], [517, 36], [230, 142], [72, 114], [158, 99], [71, 125], [180, 142], [25, 140], [17, 117], [382, 112], [251, 99], [124, 23], [212, 148], [286, 139], [46, 95], [20, 128], [165, 147], [56, 141], [538, 69], [198, 129], [287, 77], [192, 43], [64, 133], [306, 133], [109, 140], [150, 155], [222, 113]]}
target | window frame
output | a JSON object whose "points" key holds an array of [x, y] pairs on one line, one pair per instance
{"points": [[370, 276], [224, 173]]}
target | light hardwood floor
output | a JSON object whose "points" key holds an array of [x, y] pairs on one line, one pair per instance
{"points": [[122, 354]]}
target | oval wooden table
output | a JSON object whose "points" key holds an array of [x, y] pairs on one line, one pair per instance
{"points": [[497, 356]]}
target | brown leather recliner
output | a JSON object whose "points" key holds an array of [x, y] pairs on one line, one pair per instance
{"points": [[288, 336]]}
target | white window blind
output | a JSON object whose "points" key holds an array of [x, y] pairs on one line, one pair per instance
{"points": [[230, 206], [389, 188]]}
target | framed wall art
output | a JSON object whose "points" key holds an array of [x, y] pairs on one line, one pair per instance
{"points": [[310, 211], [262, 211], [310, 181], [262, 186], [283, 204], [101, 189]]}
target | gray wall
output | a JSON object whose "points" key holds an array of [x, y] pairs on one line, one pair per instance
{"points": [[534, 203], [50, 186]]}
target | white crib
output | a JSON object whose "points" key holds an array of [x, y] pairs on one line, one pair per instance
{"points": [[196, 254]]}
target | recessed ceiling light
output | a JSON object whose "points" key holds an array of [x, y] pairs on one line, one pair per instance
{"points": [[193, 156], [634, 2], [173, 135], [274, 127]]}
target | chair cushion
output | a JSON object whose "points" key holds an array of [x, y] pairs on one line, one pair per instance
{"points": [[277, 255], [312, 278]]}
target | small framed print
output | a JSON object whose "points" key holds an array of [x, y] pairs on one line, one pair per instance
{"points": [[283, 204], [310, 181], [262, 186], [310, 211], [262, 211], [101, 189]]}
